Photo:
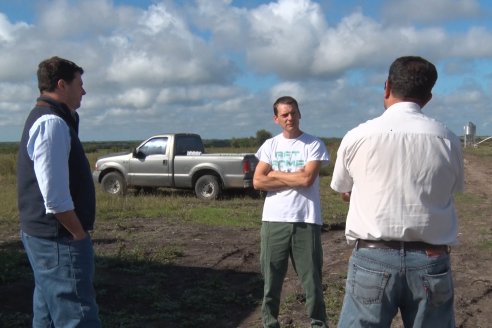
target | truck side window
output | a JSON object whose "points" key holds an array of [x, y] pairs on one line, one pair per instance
{"points": [[186, 143], [156, 146]]}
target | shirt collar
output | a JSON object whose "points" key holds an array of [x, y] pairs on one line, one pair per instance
{"points": [[406, 106]]}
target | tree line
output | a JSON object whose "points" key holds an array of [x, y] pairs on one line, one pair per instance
{"points": [[92, 146]]}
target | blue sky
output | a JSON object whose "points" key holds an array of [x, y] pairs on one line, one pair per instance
{"points": [[214, 67]]}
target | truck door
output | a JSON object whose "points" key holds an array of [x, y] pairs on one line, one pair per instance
{"points": [[150, 165]]}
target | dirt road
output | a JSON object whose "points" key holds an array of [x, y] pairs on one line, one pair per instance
{"points": [[238, 250], [472, 258]]}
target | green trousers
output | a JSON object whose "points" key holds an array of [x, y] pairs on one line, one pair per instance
{"points": [[302, 243]]}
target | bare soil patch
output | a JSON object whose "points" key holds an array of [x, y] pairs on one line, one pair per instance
{"points": [[471, 259], [218, 268], [472, 263]]}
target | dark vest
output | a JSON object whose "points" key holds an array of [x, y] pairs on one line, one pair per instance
{"points": [[33, 218]]}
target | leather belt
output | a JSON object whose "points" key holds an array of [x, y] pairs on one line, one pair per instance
{"points": [[431, 250]]}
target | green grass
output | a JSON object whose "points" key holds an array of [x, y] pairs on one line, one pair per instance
{"points": [[237, 214], [482, 150], [135, 255], [335, 290], [9, 216]]}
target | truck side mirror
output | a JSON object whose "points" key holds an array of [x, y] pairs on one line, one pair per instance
{"points": [[138, 154]]}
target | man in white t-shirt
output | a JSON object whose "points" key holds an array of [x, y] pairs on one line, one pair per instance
{"points": [[288, 169], [399, 172]]}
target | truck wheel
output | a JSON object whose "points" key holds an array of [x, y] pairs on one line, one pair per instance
{"points": [[207, 187], [113, 183]]}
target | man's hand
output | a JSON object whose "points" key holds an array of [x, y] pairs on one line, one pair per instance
{"points": [[71, 222], [264, 178], [346, 196], [79, 236]]}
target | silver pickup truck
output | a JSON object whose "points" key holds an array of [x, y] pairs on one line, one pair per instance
{"points": [[175, 161]]}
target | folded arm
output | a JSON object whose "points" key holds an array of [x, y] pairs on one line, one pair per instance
{"points": [[267, 179]]}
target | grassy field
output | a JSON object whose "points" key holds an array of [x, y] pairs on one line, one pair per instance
{"points": [[117, 217], [235, 210]]}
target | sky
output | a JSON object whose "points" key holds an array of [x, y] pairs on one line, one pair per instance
{"points": [[215, 67]]}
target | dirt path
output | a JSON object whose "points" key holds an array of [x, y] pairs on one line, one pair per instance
{"points": [[471, 259], [472, 265]]}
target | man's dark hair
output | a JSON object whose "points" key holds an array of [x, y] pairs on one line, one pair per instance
{"points": [[412, 77], [51, 70], [287, 100]]}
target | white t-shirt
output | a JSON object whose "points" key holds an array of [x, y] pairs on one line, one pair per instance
{"points": [[288, 155], [402, 168]]}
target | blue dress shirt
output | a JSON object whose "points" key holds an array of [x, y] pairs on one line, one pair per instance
{"points": [[49, 148]]}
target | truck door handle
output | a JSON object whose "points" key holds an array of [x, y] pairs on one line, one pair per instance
{"points": [[164, 162]]}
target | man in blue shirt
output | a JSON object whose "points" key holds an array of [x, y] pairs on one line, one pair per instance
{"points": [[56, 201]]}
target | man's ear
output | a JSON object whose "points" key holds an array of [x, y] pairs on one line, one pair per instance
{"points": [[387, 89], [61, 84]]}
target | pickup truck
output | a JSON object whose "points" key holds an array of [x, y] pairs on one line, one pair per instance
{"points": [[175, 161]]}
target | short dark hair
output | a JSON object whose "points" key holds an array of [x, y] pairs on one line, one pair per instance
{"points": [[287, 100], [51, 70], [412, 77]]}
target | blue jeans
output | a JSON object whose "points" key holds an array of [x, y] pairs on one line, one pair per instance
{"points": [[381, 281], [302, 243], [63, 270]]}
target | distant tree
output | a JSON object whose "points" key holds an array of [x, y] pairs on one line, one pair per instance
{"points": [[216, 143], [262, 136], [236, 143]]}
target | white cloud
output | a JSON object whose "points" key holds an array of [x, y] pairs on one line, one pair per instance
{"points": [[83, 20], [214, 68], [136, 97], [8, 31], [15, 100], [283, 35], [292, 89], [476, 43], [224, 25], [355, 41]]}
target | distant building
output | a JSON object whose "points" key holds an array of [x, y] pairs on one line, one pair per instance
{"points": [[470, 132]]}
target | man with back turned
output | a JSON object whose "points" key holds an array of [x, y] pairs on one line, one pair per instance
{"points": [[399, 171]]}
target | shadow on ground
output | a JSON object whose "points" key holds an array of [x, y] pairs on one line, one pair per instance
{"points": [[140, 293]]}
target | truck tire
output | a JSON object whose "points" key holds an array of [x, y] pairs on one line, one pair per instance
{"points": [[207, 187], [113, 183]]}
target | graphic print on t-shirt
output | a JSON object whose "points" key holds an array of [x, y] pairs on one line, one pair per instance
{"points": [[287, 161]]}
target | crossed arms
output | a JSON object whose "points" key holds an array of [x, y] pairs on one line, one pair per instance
{"points": [[267, 179]]}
